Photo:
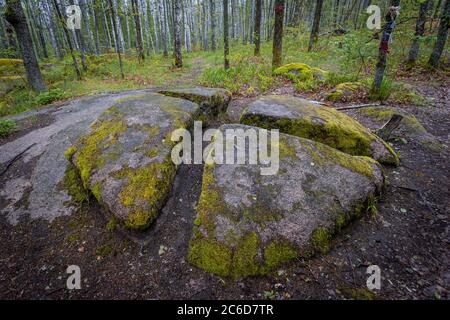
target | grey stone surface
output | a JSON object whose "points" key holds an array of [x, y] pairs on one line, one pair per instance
{"points": [[30, 187], [299, 117], [248, 223], [126, 158]]}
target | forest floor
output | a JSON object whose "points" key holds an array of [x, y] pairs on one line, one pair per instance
{"points": [[408, 238]]}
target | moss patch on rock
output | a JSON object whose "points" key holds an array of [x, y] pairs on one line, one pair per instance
{"points": [[125, 161], [300, 118], [300, 72], [249, 225]]}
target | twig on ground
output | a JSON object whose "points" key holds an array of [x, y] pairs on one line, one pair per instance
{"points": [[358, 106]]}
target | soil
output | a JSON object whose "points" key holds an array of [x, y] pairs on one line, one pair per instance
{"points": [[408, 238]]}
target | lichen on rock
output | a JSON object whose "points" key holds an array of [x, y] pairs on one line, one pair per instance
{"points": [[125, 160], [301, 118], [249, 224]]}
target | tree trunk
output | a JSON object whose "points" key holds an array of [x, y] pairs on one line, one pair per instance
{"points": [[420, 29], [16, 17], [80, 38], [258, 14], [177, 34], [212, 10], [137, 22], [163, 28], [69, 41], [383, 50], [116, 32], [277, 51], [226, 47], [441, 36], [314, 37]]}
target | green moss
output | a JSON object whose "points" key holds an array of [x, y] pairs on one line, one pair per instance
{"points": [[287, 150], [324, 155], [10, 62], [320, 240], [6, 127], [211, 256], [359, 293], [103, 251], [210, 200], [335, 129], [74, 186], [277, 253], [88, 154], [68, 154], [371, 205], [244, 258], [73, 238], [299, 72], [112, 224], [146, 188], [97, 191]]}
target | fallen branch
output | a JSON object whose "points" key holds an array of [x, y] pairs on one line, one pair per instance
{"points": [[358, 106]]}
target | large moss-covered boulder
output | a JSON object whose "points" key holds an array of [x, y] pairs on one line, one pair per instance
{"points": [[248, 223], [300, 72], [410, 128], [125, 161], [302, 118], [212, 101]]}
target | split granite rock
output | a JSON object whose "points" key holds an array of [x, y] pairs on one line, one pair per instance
{"points": [[248, 224], [125, 161], [301, 118], [212, 101]]}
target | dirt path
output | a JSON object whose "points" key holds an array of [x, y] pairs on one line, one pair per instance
{"points": [[408, 238]]}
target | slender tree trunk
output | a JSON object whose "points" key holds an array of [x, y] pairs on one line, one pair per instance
{"points": [[277, 51], [177, 34], [384, 44], [314, 37], [258, 14], [68, 40], [16, 17], [212, 10], [226, 46], [163, 28], [118, 43], [90, 36], [420, 29], [441, 36], [139, 47], [80, 38]]}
